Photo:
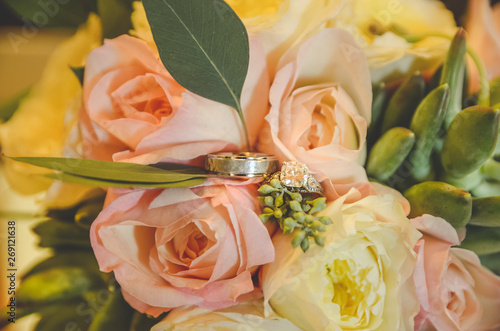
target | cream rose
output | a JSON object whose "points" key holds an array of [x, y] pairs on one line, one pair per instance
{"points": [[455, 292], [390, 56], [134, 111], [245, 316], [361, 278], [183, 246], [320, 107]]}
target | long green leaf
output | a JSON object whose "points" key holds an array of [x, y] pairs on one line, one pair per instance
{"points": [[117, 171], [75, 179]]}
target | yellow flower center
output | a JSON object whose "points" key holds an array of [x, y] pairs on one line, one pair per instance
{"points": [[348, 288], [253, 8]]}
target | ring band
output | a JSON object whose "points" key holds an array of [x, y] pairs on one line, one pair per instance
{"points": [[296, 178], [243, 165]]}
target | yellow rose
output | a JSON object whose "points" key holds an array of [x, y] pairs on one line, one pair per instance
{"points": [[279, 23], [40, 125], [245, 316], [361, 278], [390, 56]]}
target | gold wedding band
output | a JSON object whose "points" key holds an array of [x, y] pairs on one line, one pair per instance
{"points": [[241, 165]]}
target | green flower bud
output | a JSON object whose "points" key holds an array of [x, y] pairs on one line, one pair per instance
{"points": [[268, 210], [269, 201], [265, 217], [296, 196], [318, 205], [304, 244], [290, 223], [278, 213], [261, 200], [306, 207], [319, 240], [278, 202], [287, 229], [266, 189], [309, 219], [298, 237], [325, 220], [299, 217], [295, 205], [318, 226], [276, 183]]}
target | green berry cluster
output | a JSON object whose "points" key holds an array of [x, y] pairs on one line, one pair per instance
{"points": [[294, 213]]}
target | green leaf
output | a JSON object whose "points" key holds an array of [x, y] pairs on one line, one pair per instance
{"points": [[441, 200], [78, 71], [203, 45], [115, 315], [9, 107], [54, 284], [115, 17], [55, 233], [67, 258], [117, 171], [75, 179], [39, 14], [482, 240]]}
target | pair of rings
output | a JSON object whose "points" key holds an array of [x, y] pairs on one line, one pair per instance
{"points": [[293, 175]]}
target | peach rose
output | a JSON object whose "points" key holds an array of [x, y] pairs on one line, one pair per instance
{"points": [[454, 290], [483, 30], [320, 107], [183, 246], [134, 111]]}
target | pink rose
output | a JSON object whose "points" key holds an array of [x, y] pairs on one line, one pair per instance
{"points": [[454, 290], [320, 107], [483, 28], [183, 246], [134, 111]]}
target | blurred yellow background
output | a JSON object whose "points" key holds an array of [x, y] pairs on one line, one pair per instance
{"points": [[20, 67]]}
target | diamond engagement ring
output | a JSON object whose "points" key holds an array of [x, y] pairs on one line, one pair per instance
{"points": [[296, 178], [241, 165]]}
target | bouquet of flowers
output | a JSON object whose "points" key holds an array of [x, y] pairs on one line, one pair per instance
{"points": [[264, 165]]}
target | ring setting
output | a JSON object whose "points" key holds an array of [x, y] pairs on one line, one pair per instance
{"points": [[295, 177]]}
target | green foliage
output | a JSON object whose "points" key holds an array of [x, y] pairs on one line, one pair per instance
{"points": [[39, 14], [115, 16], [389, 152], [294, 213], [118, 174], [441, 200]]}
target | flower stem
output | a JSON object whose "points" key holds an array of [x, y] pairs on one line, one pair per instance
{"points": [[244, 125]]}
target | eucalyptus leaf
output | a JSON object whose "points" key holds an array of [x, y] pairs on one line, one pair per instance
{"points": [[203, 45], [116, 171], [81, 180]]}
